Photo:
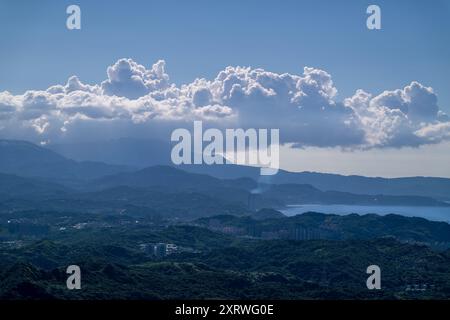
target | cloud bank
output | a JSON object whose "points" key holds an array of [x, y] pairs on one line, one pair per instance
{"points": [[139, 101]]}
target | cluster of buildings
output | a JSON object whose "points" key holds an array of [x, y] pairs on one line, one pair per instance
{"points": [[419, 287], [298, 233], [15, 244], [159, 249], [294, 232]]}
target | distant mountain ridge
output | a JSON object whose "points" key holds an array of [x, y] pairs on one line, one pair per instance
{"points": [[29, 160], [142, 153], [174, 179], [158, 176], [435, 187]]}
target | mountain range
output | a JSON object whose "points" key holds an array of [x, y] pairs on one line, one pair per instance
{"points": [[30, 169], [232, 242], [140, 153], [29, 160]]}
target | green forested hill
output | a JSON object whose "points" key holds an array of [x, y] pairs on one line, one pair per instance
{"points": [[220, 266]]}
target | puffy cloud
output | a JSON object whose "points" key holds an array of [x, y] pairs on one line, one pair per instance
{"points": [[202, 97], [421, 101], [134, 100], [301, 106], [127, 78], [315, 89], [400, 117], [435, 132], [415, 100], [35, 104], [8, 105], [73, 84]]}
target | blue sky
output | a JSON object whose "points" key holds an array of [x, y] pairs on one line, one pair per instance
{"points": [[200, 38], [402, 69]]}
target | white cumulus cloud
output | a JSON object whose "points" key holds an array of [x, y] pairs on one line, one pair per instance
{"points": [[135, 100]]}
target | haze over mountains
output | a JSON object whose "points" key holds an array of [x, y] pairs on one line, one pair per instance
{"points": [[27, 159], [224, 181], [96, 160]]}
